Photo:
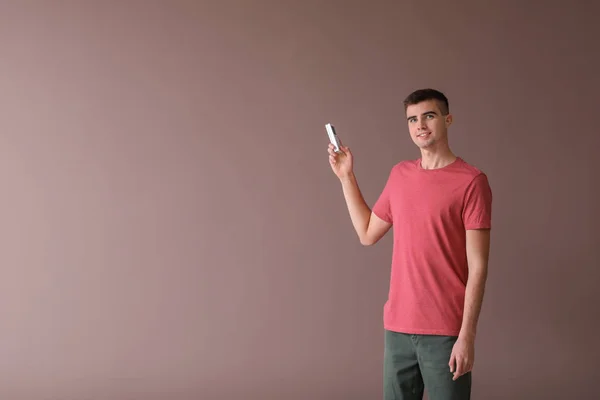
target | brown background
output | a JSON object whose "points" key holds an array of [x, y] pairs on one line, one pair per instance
{"points": [[171, 228]]}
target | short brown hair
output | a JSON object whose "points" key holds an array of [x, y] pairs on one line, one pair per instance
{"points": [[421, 95]]}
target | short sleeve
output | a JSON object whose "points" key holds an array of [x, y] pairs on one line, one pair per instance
{"points": [[477, 208], [382, 207]]}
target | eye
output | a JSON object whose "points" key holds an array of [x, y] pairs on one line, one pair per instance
{"points": [[429, 116], [412, 120]]}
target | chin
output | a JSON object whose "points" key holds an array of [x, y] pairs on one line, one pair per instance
{"points": [[425, 145]]}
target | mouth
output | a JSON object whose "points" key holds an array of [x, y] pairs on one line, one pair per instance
{"points": [[424, 135]]}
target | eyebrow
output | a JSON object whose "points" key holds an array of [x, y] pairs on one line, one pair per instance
{"points": [[425, 113]]}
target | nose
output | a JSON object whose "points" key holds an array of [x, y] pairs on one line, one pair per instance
{"points": [[421, 124]]}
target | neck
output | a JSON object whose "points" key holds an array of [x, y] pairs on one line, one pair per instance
{"points": [[438, 158]]}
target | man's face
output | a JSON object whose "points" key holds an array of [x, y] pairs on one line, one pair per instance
{"points": [[426, 124]]}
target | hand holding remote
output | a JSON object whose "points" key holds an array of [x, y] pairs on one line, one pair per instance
{"points": [[341, 162]]}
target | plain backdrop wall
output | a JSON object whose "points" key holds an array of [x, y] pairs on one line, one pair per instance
{"points": [[171, 228]]}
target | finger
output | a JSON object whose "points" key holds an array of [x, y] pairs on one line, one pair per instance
{"points": [[469, 367], [457, 374], [452, 362], [459, 369], [332, 160], [466, 366]]}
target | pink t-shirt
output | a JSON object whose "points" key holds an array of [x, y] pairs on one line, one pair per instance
{"points": [[430, 211]]}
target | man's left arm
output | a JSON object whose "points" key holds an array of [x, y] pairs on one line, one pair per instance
{"points": [[478, 250]]}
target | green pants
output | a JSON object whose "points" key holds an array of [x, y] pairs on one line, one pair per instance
{"points": [[414, 364]]}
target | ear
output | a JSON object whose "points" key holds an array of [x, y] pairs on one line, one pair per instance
{"points": [[448, 120]]}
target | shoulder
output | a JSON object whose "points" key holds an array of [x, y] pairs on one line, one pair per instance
{"points": [[399, 171], [404, 166], [471, 172], [477, 185], [468, 168]]}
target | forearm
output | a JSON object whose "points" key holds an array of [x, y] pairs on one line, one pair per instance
{"points": [[473, 301], [360, 213], [478, 248]]}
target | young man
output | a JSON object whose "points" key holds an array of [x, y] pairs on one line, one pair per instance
{"points": [[440, 209]]}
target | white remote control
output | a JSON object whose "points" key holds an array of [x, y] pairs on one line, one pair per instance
{"points": [[333, 139]]}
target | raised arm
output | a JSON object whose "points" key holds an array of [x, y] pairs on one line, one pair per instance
{"points": [[368, 226]]}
